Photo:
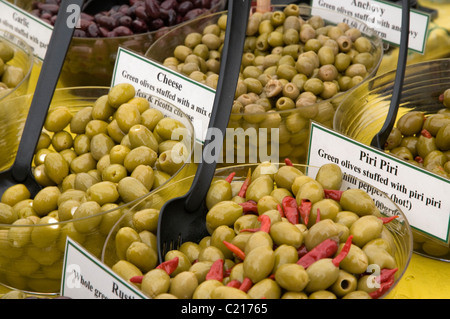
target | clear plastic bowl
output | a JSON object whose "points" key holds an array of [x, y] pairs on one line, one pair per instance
{"points": [[23, 59], [33, 262], [399, 228], [293, 124], [362, 114]]}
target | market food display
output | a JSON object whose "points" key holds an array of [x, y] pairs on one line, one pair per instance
{"points": [[93, 160], [274, 233], [423, 112], [295, 68]]}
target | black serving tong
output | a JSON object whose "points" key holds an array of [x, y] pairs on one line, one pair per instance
{"points": [[379, 140], [183, 218], [20, 172]]}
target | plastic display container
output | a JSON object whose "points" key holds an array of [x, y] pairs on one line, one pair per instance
{"points": [[362, 114], [399, 230], [292, 123], [31, 252]]}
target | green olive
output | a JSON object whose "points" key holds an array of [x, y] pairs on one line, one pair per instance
{"points": [[223, 213], [285, 254], [258, 263], [155, 282], [224, 292], [183, 261], [89, 209], [57, 119], [284, 232], [365, 229], [46, 200], [14, 194], [319, 232], [285, 176], [357, 201], [120, 94], [205, 288], [330, 176], [142, 256], [257, 239], [266, 288], [355, 262], [322, 274], [292, 277]]}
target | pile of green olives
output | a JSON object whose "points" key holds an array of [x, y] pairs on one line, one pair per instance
{"points": [[424, 140], [292, 68], [91, 162], [10, 75], [270, 265]]}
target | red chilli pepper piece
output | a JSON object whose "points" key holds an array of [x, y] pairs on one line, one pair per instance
{"points": [[169, 266], [325, 249], [227, 272], [249, 207], [230, 177], [290, 209], [246, 284], [333, 194], [305, 210], [344, 252], [234, 283], [384, 287], [235, 250], [302, 251], [288, 162], [280, 210], [245, 185], [265, 223], [216, 271], [388, 219], [426, 133], [136, 279], [418, 159], [386, 274]]}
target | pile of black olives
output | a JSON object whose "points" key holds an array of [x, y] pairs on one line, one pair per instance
{"points": [[131, 17]]}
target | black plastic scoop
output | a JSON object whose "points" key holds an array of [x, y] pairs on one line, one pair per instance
{"points": [[20, 172], [379, 140], [183, 218]]}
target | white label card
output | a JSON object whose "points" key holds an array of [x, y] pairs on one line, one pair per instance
{"points": [[86, 277], [421, 195], [33, 30], [385, 18], [191, 97]]}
